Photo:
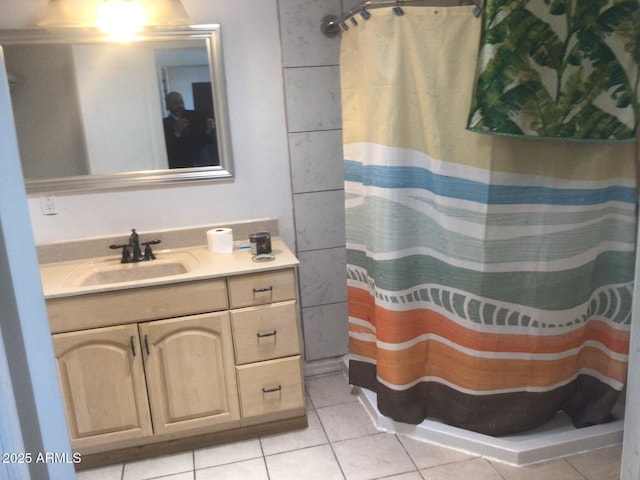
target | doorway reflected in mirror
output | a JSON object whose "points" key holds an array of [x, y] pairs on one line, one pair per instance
{"points": [[190, 135]]}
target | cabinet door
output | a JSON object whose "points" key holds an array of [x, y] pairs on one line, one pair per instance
{"points": [[190, 372], [103, 385]]}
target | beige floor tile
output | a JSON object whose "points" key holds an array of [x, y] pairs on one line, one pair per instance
{"points": [[330, 390], [315, 463], [178, 476], [474, 469], [227, 453], [347, 420], [158, 466], [283, 442], [111, 472], [371, 457], [553, 469], [602, 464], [254, 469], [426, 455], [406, 476]]}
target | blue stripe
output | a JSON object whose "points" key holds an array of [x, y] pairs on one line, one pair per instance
{"points": [[454, 187]]}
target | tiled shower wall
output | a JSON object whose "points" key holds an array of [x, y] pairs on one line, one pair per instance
{"points": [[312, 93]]}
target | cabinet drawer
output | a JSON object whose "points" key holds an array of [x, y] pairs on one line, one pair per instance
{"points": [[265, 333], [261, 288], [270, 388], [136, 304]]}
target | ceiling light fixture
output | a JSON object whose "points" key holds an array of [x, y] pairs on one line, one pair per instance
{"points": [[168, 12], [120, 18], [58, 13], [113, 16]]}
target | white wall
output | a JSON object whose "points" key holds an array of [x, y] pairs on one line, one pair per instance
{"points": [[251, 46]]}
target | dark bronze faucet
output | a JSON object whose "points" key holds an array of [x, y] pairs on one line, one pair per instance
{"points": [[131, 251]]}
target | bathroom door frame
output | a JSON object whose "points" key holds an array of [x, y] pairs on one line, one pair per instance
{"points": [[30, 397]]}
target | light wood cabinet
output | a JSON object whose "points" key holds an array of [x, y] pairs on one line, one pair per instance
{"points": [[261, 288], [103, 385], [190, 372], [170, 367], [267, 345], [270, 389], [265, 332]]}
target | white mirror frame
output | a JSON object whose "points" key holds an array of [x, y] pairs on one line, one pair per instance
{"points": [[211, 34]]}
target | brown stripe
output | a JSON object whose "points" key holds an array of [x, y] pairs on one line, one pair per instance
{"points": [[587, 401]]}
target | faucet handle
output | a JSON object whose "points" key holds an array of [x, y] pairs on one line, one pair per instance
{"points": [[126, 254], [148, 253]]}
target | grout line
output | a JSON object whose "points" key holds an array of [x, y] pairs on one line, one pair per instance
{"points": [[330, 443], [408, 454], [574, 468]]}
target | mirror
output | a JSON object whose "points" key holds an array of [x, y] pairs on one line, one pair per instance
{"points": [[92, 114]]}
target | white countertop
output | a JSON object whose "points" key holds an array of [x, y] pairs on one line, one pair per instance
{"points": [[62, 279]]}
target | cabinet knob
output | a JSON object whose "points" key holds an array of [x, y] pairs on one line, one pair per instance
{"points": [[272, 390], [269, 334], [261, 290]]}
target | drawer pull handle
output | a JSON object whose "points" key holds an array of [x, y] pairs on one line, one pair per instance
{"points": [[272, 390], [133, 346], [261, 290], [269, 334]]}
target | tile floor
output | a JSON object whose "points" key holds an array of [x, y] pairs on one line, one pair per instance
{"points": [[341, 443]]}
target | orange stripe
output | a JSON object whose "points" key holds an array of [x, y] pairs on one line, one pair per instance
{"points": [[432, 358], [399, 327], [361, 329], [363, 349]]}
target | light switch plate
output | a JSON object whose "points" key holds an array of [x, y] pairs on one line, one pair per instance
{"points": [[48, 204]]}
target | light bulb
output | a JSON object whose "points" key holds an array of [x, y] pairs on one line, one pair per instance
{"points": [[120, 19]]}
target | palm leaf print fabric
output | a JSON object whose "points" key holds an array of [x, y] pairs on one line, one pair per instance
{"points": [[565, 69], [489, 278]]}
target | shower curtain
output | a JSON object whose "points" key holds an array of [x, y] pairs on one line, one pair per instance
{"points": [[489, 278]]}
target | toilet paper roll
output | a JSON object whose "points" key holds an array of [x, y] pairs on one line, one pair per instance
{"points": [[220, 240]]}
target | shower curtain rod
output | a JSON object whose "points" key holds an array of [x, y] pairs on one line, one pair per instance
{"points": [[331, 25]]}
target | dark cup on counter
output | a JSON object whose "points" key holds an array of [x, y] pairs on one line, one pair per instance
{"points": [[260, 243]]}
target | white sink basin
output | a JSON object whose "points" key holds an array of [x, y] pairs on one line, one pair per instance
{"points": [[109, 271]]}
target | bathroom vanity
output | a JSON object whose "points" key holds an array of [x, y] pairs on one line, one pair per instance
{"points": [[187, 350]]}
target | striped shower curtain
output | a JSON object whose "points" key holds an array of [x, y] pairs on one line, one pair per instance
{"points": [[489, 278]]}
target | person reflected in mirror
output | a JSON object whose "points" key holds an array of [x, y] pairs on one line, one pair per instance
{"points": [[190, 135]]}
